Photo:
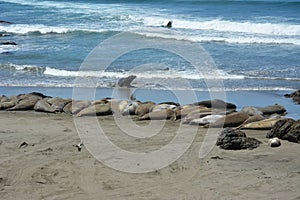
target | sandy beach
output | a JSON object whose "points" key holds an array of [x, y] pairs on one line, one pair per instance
{"points": [[48, 166]]}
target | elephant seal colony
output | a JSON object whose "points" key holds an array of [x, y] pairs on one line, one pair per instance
{"points": [[254, 150], [206, 114]]}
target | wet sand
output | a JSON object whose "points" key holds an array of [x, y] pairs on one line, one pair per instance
{"points": [[50, 167]]}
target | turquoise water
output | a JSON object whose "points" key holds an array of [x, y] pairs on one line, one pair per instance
{"points": [[254, 44]]}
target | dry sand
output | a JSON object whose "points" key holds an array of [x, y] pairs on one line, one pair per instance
{"points": [[50, 167]]}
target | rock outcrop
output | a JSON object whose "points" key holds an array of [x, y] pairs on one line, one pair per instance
{"points": [[286, 129], [231, 139]]}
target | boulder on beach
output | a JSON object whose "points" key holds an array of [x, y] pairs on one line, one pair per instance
{"points": [[295, 96], [231, 120], [231, 139], [286, 129]]}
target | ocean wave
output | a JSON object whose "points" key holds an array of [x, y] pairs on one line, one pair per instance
{"points": [[56, 84], [236, 39], [248, 27], [147, 74]]}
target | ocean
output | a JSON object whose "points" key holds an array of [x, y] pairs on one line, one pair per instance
{"points": [[255, 45]]}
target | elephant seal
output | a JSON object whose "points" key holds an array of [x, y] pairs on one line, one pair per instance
{"points": [[76, 106], [251, 119], [131, 108], [187, 119], [163, 106], [144, 108], [274, 142], [58, 103], [216, 104], [96, 110], [126, 82], [231, 120], [159, 115], [190, 109], [209, 119], [26, 101], [265, 124], [43, 106]]}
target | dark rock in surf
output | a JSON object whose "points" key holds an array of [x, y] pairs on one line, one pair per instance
{"points": [[5, 22], [8, 43], [230, 139], [295, 96]]}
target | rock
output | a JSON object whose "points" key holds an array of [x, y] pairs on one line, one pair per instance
{"points": [[235, 140], [159, 115], [275, 109], [252, 111], [209, 119], [43, 106], [96, 110], [265, 124], [8, 43], [274, 142], [4, 22], [295, 96], [231, 120], [144, 108], [216, 104], [286, 129], [126, 82]]}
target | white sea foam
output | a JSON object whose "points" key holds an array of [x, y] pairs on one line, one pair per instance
{"points": [[229, 26]]}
